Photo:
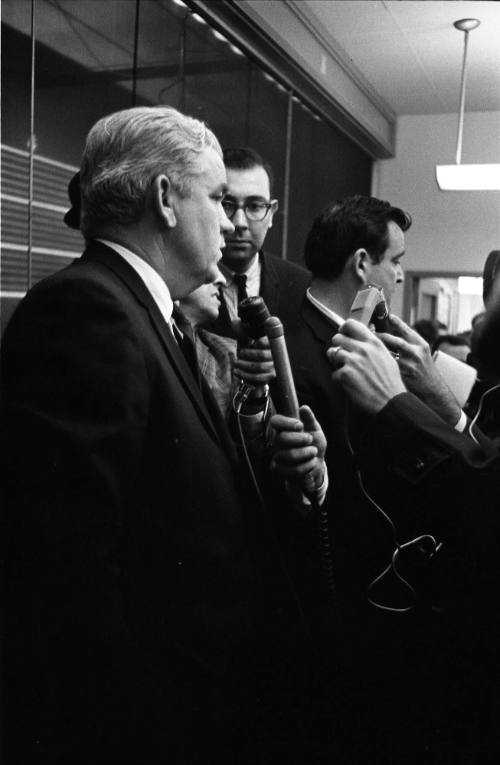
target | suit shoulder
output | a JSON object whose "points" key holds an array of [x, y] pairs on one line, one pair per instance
{"points": [[79, 290], [287, 268]]}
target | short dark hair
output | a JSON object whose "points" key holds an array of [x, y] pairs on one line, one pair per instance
{"points": [[246, 158], [491, 272], [451, 340], [347, 225], [72, 216], [428, 329]]}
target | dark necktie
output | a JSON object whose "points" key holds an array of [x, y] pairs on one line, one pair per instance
{"points": [[183, 334], [241, 285]]}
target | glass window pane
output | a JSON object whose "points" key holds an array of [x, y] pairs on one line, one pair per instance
{"points": [[217, 82], [160, 57], [267, 117], [88, 65], [325, 166]]}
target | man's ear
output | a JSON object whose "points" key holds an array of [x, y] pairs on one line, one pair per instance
{"points": [[162, 200], [360, 261], [272, 210]]}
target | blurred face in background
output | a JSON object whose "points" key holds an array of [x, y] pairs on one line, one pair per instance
{"points": [[459, 352], [202, 305]]}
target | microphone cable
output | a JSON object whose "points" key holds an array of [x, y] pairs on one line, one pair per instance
{"points": [[325, 545], [257, 322], [425, 544], [240, 397]]}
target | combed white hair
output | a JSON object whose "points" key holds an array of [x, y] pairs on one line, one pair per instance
{"points": [[126, 150]]}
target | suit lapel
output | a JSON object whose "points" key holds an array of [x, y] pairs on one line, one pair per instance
{"points": [[322, 328], [102, 254], [269, 284]]}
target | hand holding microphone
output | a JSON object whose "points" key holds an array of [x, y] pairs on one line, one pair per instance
{"points": [[254, 363], [364, 367], [299, 447], [299, 444]]}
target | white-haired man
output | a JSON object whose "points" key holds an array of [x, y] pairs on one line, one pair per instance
{"points": [[130, 579]]}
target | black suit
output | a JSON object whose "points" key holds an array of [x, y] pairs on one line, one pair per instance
{"points": [[282, 286], [130, 589], [425, 476], [403, 452]]}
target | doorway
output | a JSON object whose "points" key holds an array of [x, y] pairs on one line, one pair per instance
{"points": [[451, 299]]}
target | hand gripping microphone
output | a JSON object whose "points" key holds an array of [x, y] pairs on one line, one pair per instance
{"points": [[369, 307], [257, 322]]}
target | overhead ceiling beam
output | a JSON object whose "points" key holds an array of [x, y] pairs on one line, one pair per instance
{"points": [[243, 28]]}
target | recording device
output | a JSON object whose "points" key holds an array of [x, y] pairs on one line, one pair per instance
{"points": [[257, 322], [369, 307]]}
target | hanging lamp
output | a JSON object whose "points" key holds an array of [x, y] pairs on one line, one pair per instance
{"points": [[459, 177]]}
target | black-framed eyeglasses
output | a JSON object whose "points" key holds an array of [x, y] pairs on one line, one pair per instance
{"points": [[253, 210]]}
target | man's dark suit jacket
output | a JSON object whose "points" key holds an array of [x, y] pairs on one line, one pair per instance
{"points": [[427, 478], [406, 445], [282, 286], [130, 609]]}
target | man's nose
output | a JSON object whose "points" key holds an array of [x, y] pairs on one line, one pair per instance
{"points": [[400, 276], [226, 226], [239, 218], [220, 279]]}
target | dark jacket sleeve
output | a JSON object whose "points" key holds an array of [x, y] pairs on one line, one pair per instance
{"points": [[417, 442], [450, 484], [73, 383]]}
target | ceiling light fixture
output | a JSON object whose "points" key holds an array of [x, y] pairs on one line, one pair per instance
{"points": [[460, 177]]}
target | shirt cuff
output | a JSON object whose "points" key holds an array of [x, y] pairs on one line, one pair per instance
{"points": [[320, 491], [462, 422]]}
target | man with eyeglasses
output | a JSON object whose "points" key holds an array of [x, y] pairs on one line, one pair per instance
{"points": [[248, 270]]}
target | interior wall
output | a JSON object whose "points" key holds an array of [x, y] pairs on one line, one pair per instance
{"points": [[452, 230], [292, 31]]}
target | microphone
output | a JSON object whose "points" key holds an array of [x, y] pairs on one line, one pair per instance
{"points": [[257, 322], [380, 318], [369, 307]]}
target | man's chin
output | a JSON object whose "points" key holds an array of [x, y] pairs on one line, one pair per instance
{"points": [[239, 255]]}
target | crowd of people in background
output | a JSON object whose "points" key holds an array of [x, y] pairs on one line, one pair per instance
{"points": [[195, 573]]}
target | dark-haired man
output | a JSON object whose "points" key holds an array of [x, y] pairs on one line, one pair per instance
{"points": [[248, 269], [353, 243]]}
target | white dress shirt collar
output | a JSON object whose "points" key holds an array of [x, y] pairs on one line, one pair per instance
{"points": [[253, 276], [151, 278], [331, 315]]}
